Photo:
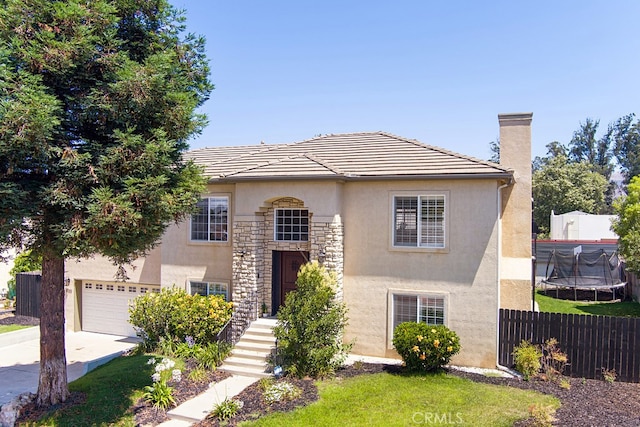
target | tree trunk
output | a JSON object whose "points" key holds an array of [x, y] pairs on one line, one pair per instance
{"points": [[52, 386]]}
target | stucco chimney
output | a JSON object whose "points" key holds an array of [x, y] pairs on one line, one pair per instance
{"points": [[515, 154]]}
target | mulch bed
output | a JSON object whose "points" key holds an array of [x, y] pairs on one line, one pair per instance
{"points": [[146, 415], [8, 318]]}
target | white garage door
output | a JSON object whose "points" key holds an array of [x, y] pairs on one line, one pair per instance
{"points": [[105, 306]]}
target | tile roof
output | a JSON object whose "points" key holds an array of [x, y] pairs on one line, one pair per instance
{"points": [[367, 155]]}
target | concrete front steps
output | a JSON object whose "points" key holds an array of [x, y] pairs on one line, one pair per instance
{"points": [[247, 363], [249, 356]]}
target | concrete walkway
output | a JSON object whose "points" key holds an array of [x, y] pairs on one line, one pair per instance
{"points": [[197, 409], [20, 357]]}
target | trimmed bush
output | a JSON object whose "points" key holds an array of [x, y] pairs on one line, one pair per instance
{"points": [[311, 324], [425, 347], [173, 315], [527, 359]]}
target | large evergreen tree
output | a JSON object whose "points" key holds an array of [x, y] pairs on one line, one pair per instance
{"points": [[97, 101], [586, 147]]}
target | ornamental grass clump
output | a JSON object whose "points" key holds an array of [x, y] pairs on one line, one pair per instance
{"points": [[173, 315], [227, 409], [425, 347]]}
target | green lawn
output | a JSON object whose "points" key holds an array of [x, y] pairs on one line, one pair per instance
{"points": [[110, 389], [402, 400], [372, 400], [11, 328], [552, 305]]}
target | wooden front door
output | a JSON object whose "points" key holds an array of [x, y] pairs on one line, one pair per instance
{"points": [[290, 263]]}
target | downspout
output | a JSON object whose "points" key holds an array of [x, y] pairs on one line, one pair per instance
{"points": [[499, 266]]}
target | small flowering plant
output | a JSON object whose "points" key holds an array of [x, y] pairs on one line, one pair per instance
{"points": [[280, 391], [160, 394], [425, 347]]}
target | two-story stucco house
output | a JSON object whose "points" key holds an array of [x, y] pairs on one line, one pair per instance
{"points": [[414, 233]]}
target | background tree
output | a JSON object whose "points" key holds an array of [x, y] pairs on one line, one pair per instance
{"points": [[554, 149], [627, 146], [562, 187], [627, 225], [494, 148], [97, 101], [598, 152], [25, 261]]}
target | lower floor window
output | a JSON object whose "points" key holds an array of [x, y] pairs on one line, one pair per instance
{"points": [[427, 309], [209, 288]]}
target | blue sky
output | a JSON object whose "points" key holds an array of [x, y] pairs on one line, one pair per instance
{"points": [[439, 72]]}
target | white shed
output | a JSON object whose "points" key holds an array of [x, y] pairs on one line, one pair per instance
{"points": [[579, 225]]}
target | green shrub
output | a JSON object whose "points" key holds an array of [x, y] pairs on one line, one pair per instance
{"points": [[609, 375], [265, 383], [527, 359], [197, 374], [227, 409], [211, 355], [311, 324], [173, 315], [425, 347], [166, 347]]}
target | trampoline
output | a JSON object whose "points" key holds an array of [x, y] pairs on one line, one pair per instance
{"points": [[580, 270]]}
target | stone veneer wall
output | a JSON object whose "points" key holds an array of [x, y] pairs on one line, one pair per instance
{"points": [[253, 243]]}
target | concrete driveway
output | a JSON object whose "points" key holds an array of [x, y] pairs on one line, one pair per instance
{"points": [[20, 357]]}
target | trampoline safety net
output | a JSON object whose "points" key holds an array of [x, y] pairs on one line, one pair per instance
{"points": [[584, 270]]}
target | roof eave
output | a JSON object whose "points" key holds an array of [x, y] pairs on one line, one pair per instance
{"points": [[507, 175]]}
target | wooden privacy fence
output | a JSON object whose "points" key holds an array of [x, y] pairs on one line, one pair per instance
{"points": [[592, 343], [28, 294]]}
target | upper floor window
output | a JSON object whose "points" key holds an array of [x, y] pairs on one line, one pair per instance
{"points": [[419, 221], [210, 223], [292, 225]]}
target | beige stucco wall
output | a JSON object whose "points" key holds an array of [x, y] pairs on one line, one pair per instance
{"points": [[466, 273], [516, 266], [323, 198]]}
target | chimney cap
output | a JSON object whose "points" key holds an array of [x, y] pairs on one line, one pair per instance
{"points": [[515, 119]]}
